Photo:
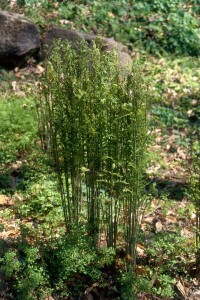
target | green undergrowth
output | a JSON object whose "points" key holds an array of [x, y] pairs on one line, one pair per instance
{"points": [[157, 26], [175, 97], [18, 128]]}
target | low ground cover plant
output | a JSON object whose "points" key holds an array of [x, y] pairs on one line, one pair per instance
{"points": [[158, 26], [17, 128]]}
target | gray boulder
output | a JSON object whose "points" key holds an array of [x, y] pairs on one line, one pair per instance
{"points": [[108, 44], [19, 39]]}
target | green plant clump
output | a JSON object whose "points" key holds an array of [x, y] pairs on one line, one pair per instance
{"points": [[77, 262], [96, 126]]}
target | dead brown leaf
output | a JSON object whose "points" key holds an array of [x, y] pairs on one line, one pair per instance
{"points": [[7, 201], [158, 226], [140, 249], [39, 70], [142, 270], [187, 233], [171, 220], [149, 220], [180, 285]]}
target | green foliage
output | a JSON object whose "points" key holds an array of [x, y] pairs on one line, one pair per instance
{"points": [[168, 116], [182, 118], [4, 4], [26, 273], [166, 249], [41, 198], [167, 254], [18, 128], [131, 285], [77, 263], [165, 286], [157, 26], [21, 2], [11, 264], [182, 33], [128, 285], [98, 131], [66, 266]]}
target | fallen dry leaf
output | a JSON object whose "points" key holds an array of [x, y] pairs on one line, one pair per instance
{"points": [[142, 270], [171, 220], [182, 288], [140, 249], [63, 22], [194, 295], [194, 102], [158, 227], [39, 70], [149, 220], [16, 196], [187, 233], [7, 201], [110, 14], [15, 86]]}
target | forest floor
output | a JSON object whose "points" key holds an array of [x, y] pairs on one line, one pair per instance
{"points": [[166, 247]]}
